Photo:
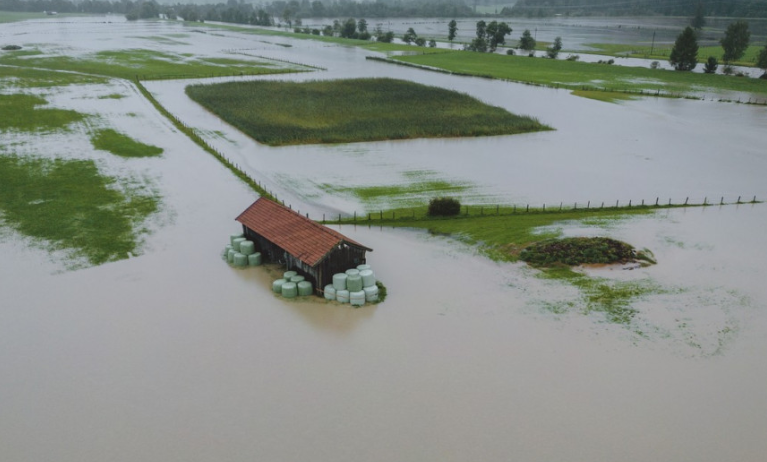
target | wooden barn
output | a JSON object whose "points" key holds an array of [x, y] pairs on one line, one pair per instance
{"points": [[313, 250]]}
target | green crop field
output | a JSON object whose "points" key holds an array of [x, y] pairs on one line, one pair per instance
{"points": [[21, 112], [345, 111], [581, 75]]}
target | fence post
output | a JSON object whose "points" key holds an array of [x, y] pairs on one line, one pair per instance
{"points": [[323, 217], [629, 203], [721, 201], [497, 209], [656, 201], [339, 218], [685, 201], [738, 199], [754, 201], [528, 208], [588, 204], [544, 207], [575, 206], [705, 200], [616, 204], [603, 205], [355, 216]]}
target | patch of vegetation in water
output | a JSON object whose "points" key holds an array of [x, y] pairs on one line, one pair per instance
{"points": [[21, 112], [112, 96], [70, 206], [577, 75], [575, 251], [404, 194], [122, 145], [346, 111], [127, 64], [606, 96], [19, 77]]}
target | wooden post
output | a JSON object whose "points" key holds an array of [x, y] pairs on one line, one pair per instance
{"points": [[588, 204], [721, 201], [381, 214], [544, 207], [616, 204], [738, 199], [482, 210], [685, 201], [629, 203], [575, 206], [339, 218], [656, 201], [497, 208], [642, 202], [528, 208], [355, 216], [705, 200]]}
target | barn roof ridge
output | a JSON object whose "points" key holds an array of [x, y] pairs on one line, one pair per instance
{"points": [[303, 238]]}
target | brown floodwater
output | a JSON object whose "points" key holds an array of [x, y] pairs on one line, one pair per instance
{"points": [[174, 355]]}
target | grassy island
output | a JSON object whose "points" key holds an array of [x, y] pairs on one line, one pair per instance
{"points": [[575, 251], [346, 111]]}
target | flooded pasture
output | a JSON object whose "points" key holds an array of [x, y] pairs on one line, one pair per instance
{"points": [[174, 355]]}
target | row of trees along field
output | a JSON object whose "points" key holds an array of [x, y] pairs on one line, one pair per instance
{"points": [[737, 37], [727, 8]]}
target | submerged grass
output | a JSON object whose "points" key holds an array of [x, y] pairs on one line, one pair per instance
{"points": [[344, 111], [21, 112], [606, 96], [19, 77], [410, 194], [142, 63], [580, 75], [73, 207], [122, 145]]}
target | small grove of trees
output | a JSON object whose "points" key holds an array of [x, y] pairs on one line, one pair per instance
{"points": [[489, 36], [684, 55], [553, 51], [526, 41], [410, 36], [735, 41], [761, 61], [385, 37], [444, 207]]}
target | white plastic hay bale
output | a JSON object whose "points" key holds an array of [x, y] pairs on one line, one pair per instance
{"points": [[352, 271], [304, 288], [371, 293], [330, 292], [240, 260], [289, 290], [339, 281], [230, 255], [236, 243], [357, 298], [277, 285], [342, 296], [289, 274], [363, 267], [297, 279], [255, 259], [368, 278], [354, 283], [234, 236], [247, 248]]}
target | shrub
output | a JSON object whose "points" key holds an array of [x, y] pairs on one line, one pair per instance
{"points": [[11, 47], [579, 250], [510, 52], [711, 65], [654, 65], [573, 58], [444, 207]]}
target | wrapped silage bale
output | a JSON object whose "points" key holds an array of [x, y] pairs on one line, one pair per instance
{"points": [[235, 236], [247, 247], [289, 290], [371, 293], [225, 253], [277, 285], [304, 288], [297, 279], [236, 243], [357, 298], [354, 283], [330, 292], [240, 260], [352, 271], [289, 274], [339, 281], [255, 259], [342, 296], [230, 255], [368, 278], [363, 267]]}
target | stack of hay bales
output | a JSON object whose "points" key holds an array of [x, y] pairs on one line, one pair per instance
{"points": [[292, 285], [355, 286], [241, 252]]}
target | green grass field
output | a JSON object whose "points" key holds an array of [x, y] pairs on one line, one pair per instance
{"points": [[70, 206], [662, 52], [346, 111], [12, 16], [581, 75], [22, 112], [142, 63], [21, 78], [122, 145]]}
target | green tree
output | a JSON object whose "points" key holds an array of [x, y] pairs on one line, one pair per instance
{"points": [[553, 51], [362, 26], [699, 19], [735, 41], [527, 42], [761, 61], [711, 65], [684, 55], [409, 36], [349, 29], [420, 41], [496, 34], [432, 43], [452, 29]]}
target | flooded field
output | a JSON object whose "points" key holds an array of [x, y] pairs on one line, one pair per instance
{"points": [[174, 355]]}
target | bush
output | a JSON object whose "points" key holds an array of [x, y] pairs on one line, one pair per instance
{"points": [[510, 52], [654, 65], [444, 207], [11, 47], [573, 58]]}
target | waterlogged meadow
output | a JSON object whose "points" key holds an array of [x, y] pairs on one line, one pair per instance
{"points": [[346, 111]]}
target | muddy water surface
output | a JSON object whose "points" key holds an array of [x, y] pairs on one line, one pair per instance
{"points": [[176, 356]]}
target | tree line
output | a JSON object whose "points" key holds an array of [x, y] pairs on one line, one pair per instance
{"points": [[726, 8]]}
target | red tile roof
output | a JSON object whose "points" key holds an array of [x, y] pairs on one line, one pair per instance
{"points": [[303, 238]]}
